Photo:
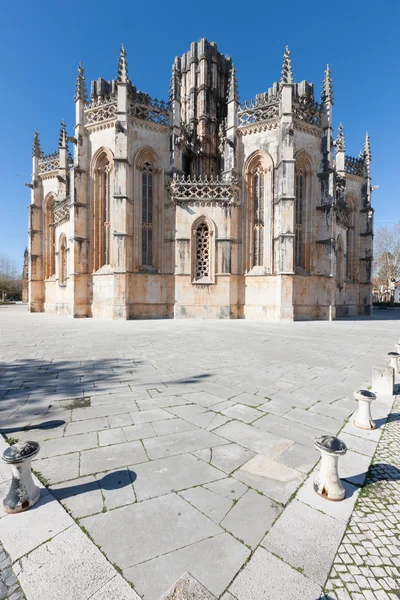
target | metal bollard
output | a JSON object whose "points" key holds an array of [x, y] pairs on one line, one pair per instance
{"points": [[363, 418], [394, 360], [23, 493], [327, 483]]}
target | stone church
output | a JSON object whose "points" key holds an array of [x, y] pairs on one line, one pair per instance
{"points": [[202, 206]]}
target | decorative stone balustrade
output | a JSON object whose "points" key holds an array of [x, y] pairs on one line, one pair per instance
{"points": [[205, 191]]}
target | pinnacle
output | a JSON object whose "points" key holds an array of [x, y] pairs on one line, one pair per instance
{"points": [[122, 71], [367, 148], [233, 89], [287, 72], [36, 148], [62, 140], [80, 87], [327, 90], [340, 140]]}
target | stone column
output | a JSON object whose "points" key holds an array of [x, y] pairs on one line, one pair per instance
{"points": [[35, 234]]}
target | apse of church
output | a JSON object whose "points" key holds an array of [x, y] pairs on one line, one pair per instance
{"points": [[201, 206]]}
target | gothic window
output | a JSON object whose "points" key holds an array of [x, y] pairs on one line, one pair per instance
{"points": [[202, 252], [101, 213], [147, 214], [258, 221], [299, 218], [49, 239], [62, 255]]}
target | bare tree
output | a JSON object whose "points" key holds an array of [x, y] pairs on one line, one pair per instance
{"points": [[387, 258], [10, 279]]}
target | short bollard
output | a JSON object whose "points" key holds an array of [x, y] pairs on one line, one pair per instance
{"points": [[383, 380], [327, 483], [23, 492], [363, 418], [394, 360]]}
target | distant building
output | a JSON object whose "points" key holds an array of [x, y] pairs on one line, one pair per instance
{"points": [[201, 206]]}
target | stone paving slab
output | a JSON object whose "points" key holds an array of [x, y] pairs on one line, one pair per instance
{"points": [[164, 405]]}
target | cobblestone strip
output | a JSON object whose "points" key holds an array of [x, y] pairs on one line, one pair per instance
{"points": [[10, 588], [367, 565]]}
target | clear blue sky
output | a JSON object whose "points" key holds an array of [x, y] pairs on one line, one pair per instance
{"points": [[42, 42]]}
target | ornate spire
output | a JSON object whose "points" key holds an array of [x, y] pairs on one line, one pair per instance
{"points": [[233, 89], [367, 149], [80, 87], [340, 140], [287, 73], [62, 140], [36, 147], [122, 71], [327, 91]]}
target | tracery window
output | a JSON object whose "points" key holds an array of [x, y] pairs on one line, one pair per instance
{"points": [[62, 255], [49, 239], [101, 214], [202, 252], [299, 218], [258, 221], [147, 214]]}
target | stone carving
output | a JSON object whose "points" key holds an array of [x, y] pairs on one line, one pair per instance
{"points": [[103, 112], [204, 190], [354, 166], [202, 251], [61, 211], [306, 109], [49, 163], [257, 110]]}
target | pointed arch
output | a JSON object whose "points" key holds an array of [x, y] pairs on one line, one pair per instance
{"points": [[102, 177], [148, 216], [203, 250], [258, 176], [62, 260], [49, 236], [303, 172]]}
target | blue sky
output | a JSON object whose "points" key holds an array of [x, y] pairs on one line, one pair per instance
{"points": [[42, 42]]}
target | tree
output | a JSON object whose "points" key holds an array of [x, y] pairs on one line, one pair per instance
{"points": [[10, 279], [387, 258]]}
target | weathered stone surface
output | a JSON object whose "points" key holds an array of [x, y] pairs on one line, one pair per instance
{"points": [[187, 588], [169, 474], [251, 517], [66, 445], [147, 416], [139, 532], [268, 578], [82, 497], [21, 534], [252, 438], [69, 566], [231, 457], [339, 510], [209, 503], [77, 427], [215, 560], [111, 457], [229, 487], [306, 539], [299, 457], [172, 426], [275, 480], [116, 487], [178, 443], [111, 436], [116, 589], [241, 412], [58, 468]]}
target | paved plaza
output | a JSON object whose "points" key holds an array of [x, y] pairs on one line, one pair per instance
{"points": [[187, 447]]}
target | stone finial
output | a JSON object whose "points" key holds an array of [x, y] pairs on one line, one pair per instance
{"points": [[367, 149], [340, 140], [287, 72], [23, 492], [327, 90], [36, 147], [327, 483], [122, 71], [233, 89], [62, 140], [80, 87]]}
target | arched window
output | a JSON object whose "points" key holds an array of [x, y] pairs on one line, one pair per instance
{"points": [[202, 252], [147, 215], [299, 218], [340, 260], [258, 213], [258, 222], [303, 212], [49, 239], [101, 212], [62, 257]]}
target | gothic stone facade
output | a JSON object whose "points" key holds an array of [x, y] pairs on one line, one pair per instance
{"points": [[201, 207]]}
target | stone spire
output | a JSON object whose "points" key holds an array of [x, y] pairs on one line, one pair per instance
{"points": [[327, 91], [233, 89], [80, 88], [367, 149], [340, 140], [122, 71], [174, 88], [287, 73], [36, 147], [62, 140]]}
